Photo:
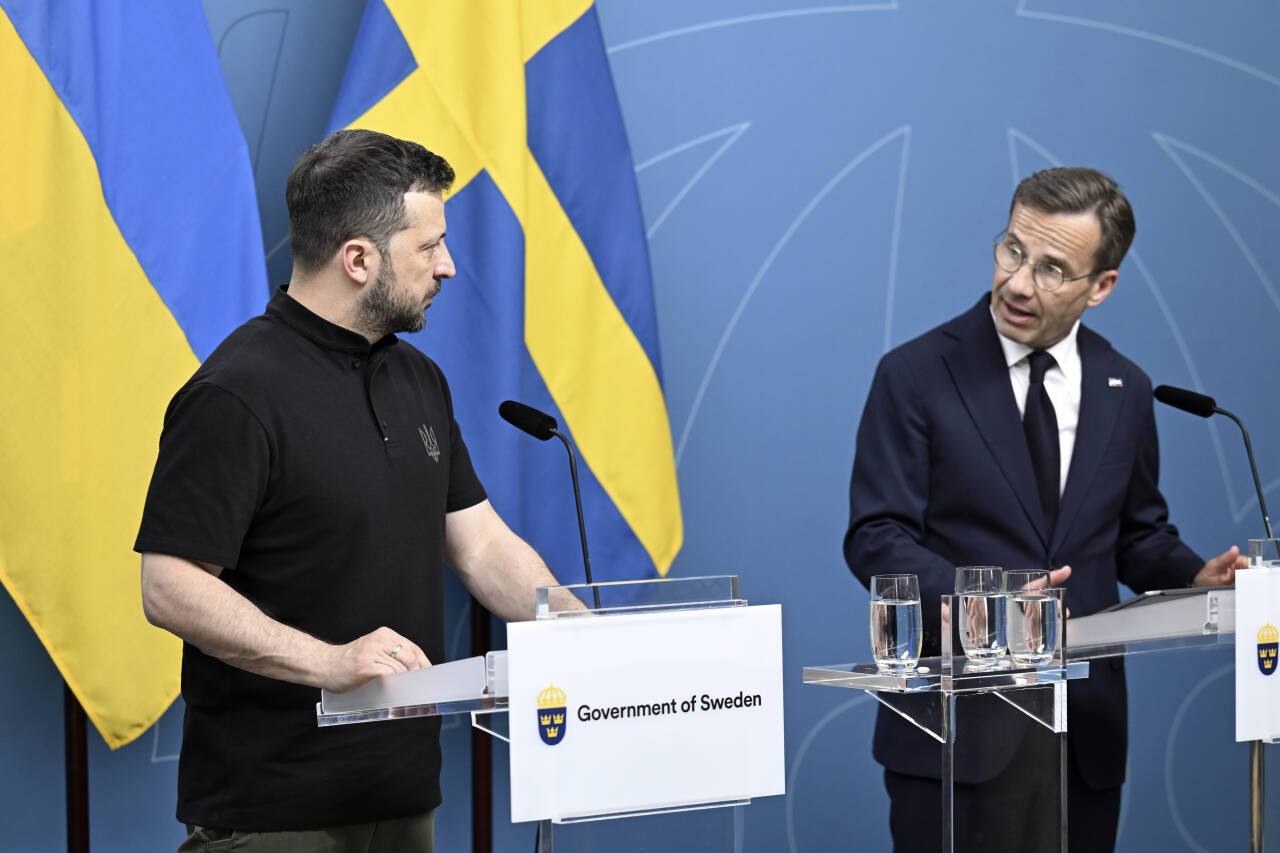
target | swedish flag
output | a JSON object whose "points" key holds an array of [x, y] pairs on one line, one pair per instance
{"points": [[553, 301], [129, 207]]}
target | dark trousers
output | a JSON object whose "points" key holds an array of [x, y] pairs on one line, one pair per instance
{"points": [[404, 835], [1014, 812]]}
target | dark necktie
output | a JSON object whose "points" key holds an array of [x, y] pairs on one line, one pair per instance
{"points": [[1041, 427]]}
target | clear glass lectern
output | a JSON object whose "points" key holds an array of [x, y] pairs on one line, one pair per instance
{"points": [[479, 686], [947, 697], [704, 826], [1177, 620]]}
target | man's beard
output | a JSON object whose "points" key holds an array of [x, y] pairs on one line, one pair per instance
{"points": [[386, 310]]}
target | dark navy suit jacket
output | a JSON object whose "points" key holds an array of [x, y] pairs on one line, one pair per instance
{"points": [[942, 478]]}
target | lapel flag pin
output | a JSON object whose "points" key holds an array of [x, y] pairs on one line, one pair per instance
{"points": [[1115, 382]]}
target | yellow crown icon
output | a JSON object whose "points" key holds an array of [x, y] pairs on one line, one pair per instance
{"points": [[1268, 634], [552, 697], [545, 719], [552, 732]]}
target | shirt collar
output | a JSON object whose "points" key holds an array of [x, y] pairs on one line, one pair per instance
{"points": [[1062, 351], [317, 329]]}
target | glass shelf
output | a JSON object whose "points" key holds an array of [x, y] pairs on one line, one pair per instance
{"points": [[966, 676], [480, 704]]}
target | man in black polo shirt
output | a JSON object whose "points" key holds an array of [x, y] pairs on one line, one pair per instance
{"points": [[311, 481]]}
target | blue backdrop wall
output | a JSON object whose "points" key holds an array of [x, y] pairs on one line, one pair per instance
{"points": [[821, 183]]}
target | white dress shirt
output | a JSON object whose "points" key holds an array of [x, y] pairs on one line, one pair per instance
{"points": [[1061, 381]]}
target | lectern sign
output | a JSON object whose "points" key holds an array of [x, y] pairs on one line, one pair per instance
{"points": [[644, 712], [1257, 640]]}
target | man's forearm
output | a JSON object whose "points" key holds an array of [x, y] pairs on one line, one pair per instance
{"points": [[504, 574], [202, 609], [498, 567]]}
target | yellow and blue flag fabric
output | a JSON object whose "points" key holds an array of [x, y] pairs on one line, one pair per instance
{"points": [[553, 301], [129, 205]]}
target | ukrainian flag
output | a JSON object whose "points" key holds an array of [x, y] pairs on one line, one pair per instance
{"points": [[553, 302], [131, 229]]}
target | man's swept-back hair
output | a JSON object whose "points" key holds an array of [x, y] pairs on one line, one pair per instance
{"points": [[1079, 190], [352, 184]]}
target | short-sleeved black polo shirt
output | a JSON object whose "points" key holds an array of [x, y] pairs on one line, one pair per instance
{"points": [[317, 470]]}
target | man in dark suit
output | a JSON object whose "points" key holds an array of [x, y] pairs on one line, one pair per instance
{"points": [[948, 472]]}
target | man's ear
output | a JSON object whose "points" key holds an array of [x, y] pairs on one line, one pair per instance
{"points": [[1102, 287], [360, 261]]}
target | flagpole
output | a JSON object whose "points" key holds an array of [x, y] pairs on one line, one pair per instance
{"points": [[74, 727]]}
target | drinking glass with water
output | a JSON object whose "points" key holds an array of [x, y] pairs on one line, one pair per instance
{"points": [[896, 631], [1032, 617], [980, 598]]}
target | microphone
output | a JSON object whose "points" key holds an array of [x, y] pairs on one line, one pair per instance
{"points": [[1187, 401], [1199, 404], [538, 424], [542, 426]]}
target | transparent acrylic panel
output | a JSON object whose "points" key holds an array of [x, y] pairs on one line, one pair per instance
{"points": [[928, 676], [405, 712], [1155, 621], [1019, 800], [714, 830], [1008, 721], [1045, 705], [494, 723], [1204, 642], [495, 675], [1264, 553], [925, 712], [616, 598]]}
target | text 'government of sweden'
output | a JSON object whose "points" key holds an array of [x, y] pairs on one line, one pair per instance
{"points": [[704, 702]]}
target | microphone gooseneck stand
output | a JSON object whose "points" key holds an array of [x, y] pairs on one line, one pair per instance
{"points": [[1205, 407], [542, 426]]}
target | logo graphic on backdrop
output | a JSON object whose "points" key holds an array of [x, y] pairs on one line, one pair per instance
{"points": [[1268, 642], [551, 714]]}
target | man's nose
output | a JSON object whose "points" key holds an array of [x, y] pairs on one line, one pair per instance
{"points": [[1022, 282], [444, 266]]}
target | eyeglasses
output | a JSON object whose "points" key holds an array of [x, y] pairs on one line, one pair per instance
{"points": [[1050, 277]]}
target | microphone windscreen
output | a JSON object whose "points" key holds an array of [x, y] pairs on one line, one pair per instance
{"points": [[538, 424], [1188, 401]]}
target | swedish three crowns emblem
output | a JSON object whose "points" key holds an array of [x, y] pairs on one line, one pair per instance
{"points": [[1268, 641], [551, 715]]}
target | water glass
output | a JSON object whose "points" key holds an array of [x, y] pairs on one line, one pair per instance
{"points": [[1034, 627], [1026, 579], [980, 598], [896, 630]]}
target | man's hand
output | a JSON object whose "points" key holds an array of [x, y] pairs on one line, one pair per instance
{"points": [[380, 652], [1056, 578], [1221, 570]]}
